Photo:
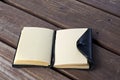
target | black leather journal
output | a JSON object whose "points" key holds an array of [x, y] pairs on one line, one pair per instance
{"points": [[66, 48]]}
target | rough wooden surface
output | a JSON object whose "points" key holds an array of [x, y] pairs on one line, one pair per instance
{"points": [[71, 13], [56, 14], [12, 21], [110, 6]]}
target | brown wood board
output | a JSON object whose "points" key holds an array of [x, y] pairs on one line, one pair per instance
{"points": [[71, 13], [107, 63], [13, 20], [110, 6]]}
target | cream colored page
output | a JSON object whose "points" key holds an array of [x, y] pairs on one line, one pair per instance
{"points": [[66, 51], [35, 44]]}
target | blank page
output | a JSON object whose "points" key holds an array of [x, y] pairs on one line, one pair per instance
{"points": [[34, 46], [66, 52]]}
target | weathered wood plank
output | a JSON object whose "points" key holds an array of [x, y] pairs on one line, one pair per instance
{"points": [[107, 67], [71, 13], [110, 6], [10, 73], [4, 77], [104, 60], [12, 21]]}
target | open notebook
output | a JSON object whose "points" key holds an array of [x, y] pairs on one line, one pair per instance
{"points": [[60, 49]]}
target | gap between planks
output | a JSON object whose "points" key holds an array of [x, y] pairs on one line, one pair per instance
{"points": [[98, 8], [58, 24], [40, 17], [60, 72], [7, 43]]}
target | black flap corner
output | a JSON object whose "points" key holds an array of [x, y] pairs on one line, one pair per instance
{"points": [[84, 45]]}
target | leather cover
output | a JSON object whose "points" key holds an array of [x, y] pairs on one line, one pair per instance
{"points": [[84, 45]]}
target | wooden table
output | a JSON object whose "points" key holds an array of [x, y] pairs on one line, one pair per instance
{"points": [[103, 16]]}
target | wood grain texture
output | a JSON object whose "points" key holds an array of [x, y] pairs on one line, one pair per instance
{"points": [[9, 73], [12, 21], [107, 63], [71, 13], [110, 6]]}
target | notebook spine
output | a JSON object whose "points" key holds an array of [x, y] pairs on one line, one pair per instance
{"points": [[53, 50]]}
